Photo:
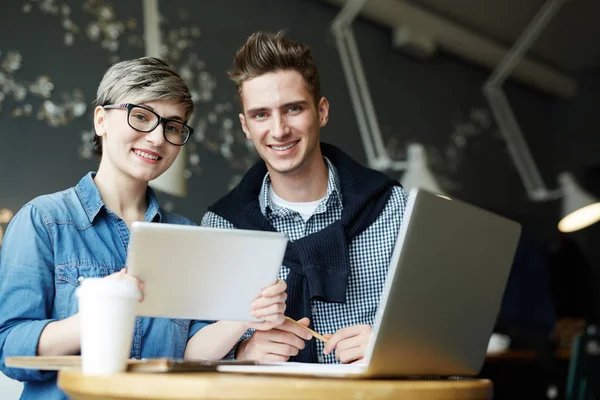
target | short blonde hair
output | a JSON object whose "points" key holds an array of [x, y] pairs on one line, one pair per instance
{"points": [[266, 52], [141, 80]]}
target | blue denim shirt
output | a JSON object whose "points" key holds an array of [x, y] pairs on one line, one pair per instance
{"points": [[51, 245]]}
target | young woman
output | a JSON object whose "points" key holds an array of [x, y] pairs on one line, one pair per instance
{"points": [[58, 240]]}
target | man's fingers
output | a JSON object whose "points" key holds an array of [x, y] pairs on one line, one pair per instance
{"points": [[283, 337], [283, 349], [345, 333], [299, 331], [333, 342], [276, 342], [350, 355], [349, 343], [264, 346], [354, 330]]}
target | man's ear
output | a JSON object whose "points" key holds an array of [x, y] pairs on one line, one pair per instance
{"points": [[244, 126], [99, 120], [323, 111]]}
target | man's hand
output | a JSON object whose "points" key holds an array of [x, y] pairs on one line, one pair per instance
{"points": [[349, 343], [277, 344], [269, 307]]}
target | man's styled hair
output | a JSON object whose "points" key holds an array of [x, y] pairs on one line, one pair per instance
{"points": [[266, 52], [141, 80]]}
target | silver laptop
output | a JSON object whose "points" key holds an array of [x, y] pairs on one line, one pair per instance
{"points": [[443, 292], [194, 272]]}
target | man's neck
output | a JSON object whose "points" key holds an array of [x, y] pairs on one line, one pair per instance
{"points": [[308, 184]]}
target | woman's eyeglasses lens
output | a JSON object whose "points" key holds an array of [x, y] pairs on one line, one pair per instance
{"points": [[144, 120]]}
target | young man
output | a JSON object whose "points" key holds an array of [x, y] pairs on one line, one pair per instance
{"points": [[342, 218]]}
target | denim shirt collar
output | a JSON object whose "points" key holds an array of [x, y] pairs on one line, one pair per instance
{"points": [[333, 197], [92, 203]]}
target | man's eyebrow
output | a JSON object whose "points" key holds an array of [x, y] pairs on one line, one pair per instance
{"points": [[295, 103], [256, 110]]}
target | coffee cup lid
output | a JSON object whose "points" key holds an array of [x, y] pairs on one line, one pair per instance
{"points": [[113, 287]]}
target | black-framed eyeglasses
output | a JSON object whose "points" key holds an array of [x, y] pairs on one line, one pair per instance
{"points": [[145, 120]]}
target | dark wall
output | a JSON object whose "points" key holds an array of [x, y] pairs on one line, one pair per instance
{"points": [[433, 102], [438, 102], [39, 156]]}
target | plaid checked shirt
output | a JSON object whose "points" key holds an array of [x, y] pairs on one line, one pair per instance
{"points": [[370, 254]]}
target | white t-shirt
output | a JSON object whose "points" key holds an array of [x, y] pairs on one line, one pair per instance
{"points": [[305, 209]]}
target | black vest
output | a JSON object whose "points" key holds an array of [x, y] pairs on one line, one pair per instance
{"points": [[319, 263]]}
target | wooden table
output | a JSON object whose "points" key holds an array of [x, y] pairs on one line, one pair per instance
{"points": [[519, 355], [237, 386]]}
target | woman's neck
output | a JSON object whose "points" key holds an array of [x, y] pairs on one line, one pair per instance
{"points": [[123, 195]]}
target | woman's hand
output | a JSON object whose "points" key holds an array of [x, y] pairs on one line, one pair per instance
{"points": [[122, 274]]}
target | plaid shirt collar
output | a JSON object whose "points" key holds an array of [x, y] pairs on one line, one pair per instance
{"points": [[333, 198]]}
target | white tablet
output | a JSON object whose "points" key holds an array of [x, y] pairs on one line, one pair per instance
{"points": [[194, 272]]}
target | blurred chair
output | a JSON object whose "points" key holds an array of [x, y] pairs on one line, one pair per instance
{"points": [[583, 381], [527, 314]]}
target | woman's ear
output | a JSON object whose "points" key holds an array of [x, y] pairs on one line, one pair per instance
{"points": [[99, 120]]}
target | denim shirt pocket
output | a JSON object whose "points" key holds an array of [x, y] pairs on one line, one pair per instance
{"points": [[67, 280]]}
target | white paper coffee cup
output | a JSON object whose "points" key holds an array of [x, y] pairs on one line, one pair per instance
{"points": [[107, 313]]}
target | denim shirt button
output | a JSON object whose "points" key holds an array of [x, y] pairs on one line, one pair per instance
{"points": [[80, 279]]}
